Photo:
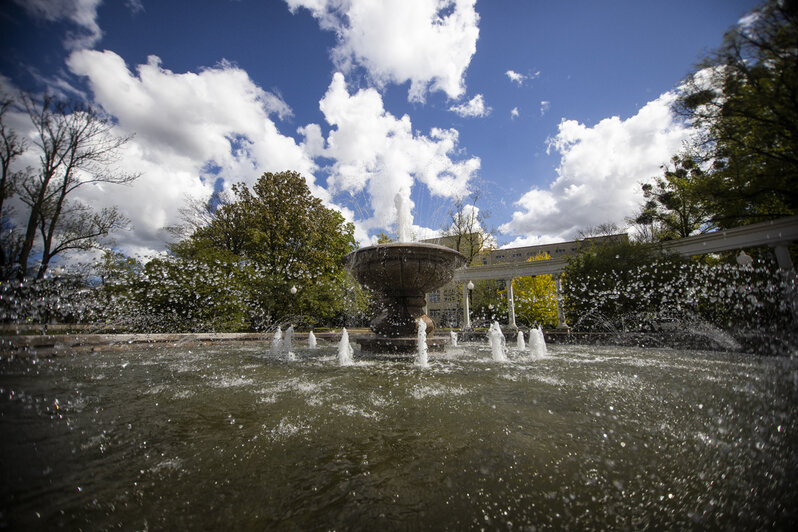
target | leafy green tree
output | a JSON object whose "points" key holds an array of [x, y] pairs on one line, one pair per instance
{"points": [[115, 269], [339, 300], [744, 102], [290, 239], [383, 238], [184, 295], [174, 294], [234, 270], [63, 297], [488, 302], [674, 203]]}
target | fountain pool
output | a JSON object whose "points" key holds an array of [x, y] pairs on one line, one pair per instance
{"points": [[238, 438]]}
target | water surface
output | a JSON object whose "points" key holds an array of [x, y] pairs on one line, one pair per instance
{"points": [[223, 437]]}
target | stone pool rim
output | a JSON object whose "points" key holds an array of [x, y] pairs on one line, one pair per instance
{"points": [[54, 345]]}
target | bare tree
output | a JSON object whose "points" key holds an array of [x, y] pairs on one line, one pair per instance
{"points": [[643, 227], [216, 219], [76, 147], [465, 230], [602, 229], [79, 228], [198, 213], [11, 147]]}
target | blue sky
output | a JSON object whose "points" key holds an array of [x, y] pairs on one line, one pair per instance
{"points": [[555, 111]]}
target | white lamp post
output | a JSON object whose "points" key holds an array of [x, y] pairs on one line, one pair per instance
{"points": [[293, 295], [470, 287]]}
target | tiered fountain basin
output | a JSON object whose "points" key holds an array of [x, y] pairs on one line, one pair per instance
{"points": [[401, 274]]}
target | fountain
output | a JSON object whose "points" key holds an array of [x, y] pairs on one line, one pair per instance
{"points": [[519, 342], [479, 436], [221, 437], [311, 340], [498, 343], [422, 349], [288, 343], [401, 274], [277, 342], [345, 351], [537, 343]]}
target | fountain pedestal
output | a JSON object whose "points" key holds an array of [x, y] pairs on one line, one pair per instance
{"points": [[401, 274]]}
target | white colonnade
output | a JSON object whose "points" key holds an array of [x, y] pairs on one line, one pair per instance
{"points": [[776, 234]]}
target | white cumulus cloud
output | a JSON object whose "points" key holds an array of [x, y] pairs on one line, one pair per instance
{"points": [[520, 79], [600, 172], [514, 113], [195, 131], [475, 107], [544, 106], [190, 129], [378, 154], [515, 77], [429, 43]]}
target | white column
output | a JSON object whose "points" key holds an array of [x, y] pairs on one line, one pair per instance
{"points": [[511, 303], [466, 309], [783, 257], [560, 314]]}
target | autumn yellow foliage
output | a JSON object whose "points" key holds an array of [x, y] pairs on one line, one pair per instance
{"points": [[535, 298]]}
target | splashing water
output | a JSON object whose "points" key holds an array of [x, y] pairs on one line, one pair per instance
{"points": [[537, 343], [404, 220], [717, 306], [719, 336], [311, 340], [544, 351], [453, 338], [520, 344], [752, 307], [346, 355], [277, 342], [421, 355], [288, 343], [595, 437], [498, 344]]}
